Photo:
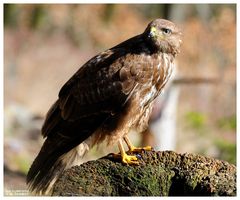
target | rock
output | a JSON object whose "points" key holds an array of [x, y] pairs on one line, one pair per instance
{"points": [[158, 174]]}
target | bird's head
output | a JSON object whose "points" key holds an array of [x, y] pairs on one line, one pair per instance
{"points": [[164, 35]]}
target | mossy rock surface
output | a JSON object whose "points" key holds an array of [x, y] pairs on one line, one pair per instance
{"points": [[158, 174]]}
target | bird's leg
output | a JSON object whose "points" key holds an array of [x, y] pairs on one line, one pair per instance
{"points": [[123, 156], [134, 149], [126, 158]]}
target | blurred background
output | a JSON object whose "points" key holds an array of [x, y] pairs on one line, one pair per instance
{"points": [[45, 44]]}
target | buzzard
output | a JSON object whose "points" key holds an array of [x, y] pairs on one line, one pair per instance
{"points": [[109, 95]]}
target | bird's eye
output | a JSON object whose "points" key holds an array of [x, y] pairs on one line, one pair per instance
{"points": [[166, 31]]}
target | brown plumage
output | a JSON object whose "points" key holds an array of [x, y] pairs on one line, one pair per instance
{"points": [[109, 95]]}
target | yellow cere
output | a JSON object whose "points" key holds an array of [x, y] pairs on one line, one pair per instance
{"points": [[153, 31]]}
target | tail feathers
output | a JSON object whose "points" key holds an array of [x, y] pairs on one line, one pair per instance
{"points": [[48, 165], [41, 183]]}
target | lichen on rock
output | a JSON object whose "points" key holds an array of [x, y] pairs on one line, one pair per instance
{"points": [[158, 174]]}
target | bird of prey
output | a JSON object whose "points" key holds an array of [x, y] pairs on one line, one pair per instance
{"points": [[108, 96]]}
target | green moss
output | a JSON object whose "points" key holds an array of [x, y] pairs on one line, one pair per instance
{"points": [[158, 174]]}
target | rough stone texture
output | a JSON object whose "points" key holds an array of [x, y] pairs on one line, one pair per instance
{"points": [[158, 174]]}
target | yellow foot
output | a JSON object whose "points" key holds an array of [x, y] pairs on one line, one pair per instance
{"points": [[133, 149], [126, 159], [131, 160], [139, 149]]}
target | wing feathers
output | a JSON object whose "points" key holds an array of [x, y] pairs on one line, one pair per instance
{"points": [[94, 94], [53, 118]]}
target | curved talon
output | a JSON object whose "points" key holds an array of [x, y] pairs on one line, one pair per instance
{"points": [[129, 159], [126, 159]]}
